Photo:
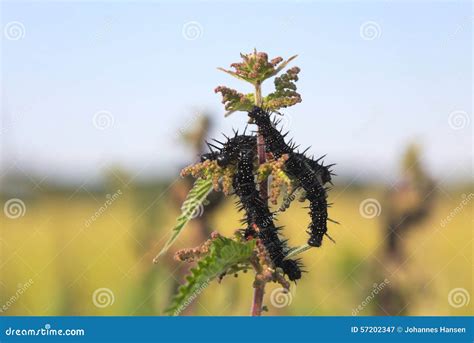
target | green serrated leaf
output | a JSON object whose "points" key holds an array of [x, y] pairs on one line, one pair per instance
{"points": [[285, 93], [255, 69], [224, 254], [193, 203]]}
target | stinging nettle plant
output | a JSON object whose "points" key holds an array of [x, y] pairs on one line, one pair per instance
{"points": [[246, 166]]}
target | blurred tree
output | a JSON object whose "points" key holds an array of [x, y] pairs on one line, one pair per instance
{"points": [[406, 206], [195, 137], [408, 203]]}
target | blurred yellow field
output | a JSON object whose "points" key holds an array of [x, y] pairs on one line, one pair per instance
{"points": [[68, 260]]}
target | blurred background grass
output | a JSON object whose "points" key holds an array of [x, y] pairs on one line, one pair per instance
{"points": [[68, 261]]}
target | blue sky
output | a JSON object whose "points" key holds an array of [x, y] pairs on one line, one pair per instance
{"points": [[363, 100]]}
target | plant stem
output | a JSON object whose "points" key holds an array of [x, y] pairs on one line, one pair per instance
{"points": [[257, 304], [259, 287], [258, 94], [261, 144]]}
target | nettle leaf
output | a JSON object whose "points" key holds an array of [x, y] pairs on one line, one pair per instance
{"points": [[285, 94], [224, 254], [234, 101], [192, 206], [256, 68]]}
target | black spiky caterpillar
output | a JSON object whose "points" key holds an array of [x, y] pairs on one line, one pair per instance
{"points": [[258, 213], [311, 175], [229, 150], [241, 150]]}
